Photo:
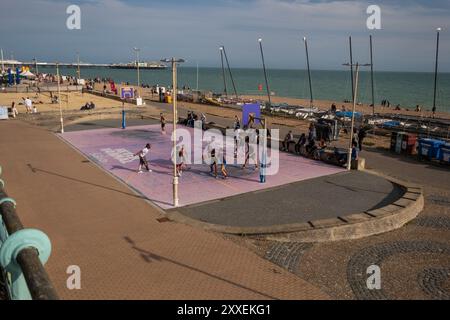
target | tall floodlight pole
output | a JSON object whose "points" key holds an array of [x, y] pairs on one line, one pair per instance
{"points": [[371, 76], [223, 72], [1, 54], [265, 72], [138, 74], [174, 62], [263, 164], [351, 66], [59, 98], [311, 101], [438, 30], [78, 67], [229, 70], [355, 99]]}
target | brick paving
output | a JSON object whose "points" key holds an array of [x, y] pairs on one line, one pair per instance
{"points": [[115, 237], [414, 260]]}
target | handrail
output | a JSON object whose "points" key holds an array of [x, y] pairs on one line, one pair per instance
{"points": [[23, 253]]}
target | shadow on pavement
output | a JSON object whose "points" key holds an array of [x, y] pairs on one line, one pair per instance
{"points": [[150, 257]]}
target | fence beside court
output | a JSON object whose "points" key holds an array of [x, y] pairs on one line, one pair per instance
{"points": [[23, 253]]}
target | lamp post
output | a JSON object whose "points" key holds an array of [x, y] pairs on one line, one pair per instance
{"points": [[59, 98], [78, 67], [438, 30], [371, 76], [355, 98], [1, 57], [137, 50], [174, 62]]}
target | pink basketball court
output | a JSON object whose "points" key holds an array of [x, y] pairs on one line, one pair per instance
{"points": [[113, 150]]}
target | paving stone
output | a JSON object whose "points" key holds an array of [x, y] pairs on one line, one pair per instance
{"points": [[375, 255]]}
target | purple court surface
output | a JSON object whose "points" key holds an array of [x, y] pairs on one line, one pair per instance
{"points": [[113, 150]]}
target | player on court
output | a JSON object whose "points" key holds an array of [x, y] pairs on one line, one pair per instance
{"points": [[142, 158], [163, 123]]}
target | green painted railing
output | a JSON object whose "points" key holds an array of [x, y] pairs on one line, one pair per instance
{"points": [[23, 253]]}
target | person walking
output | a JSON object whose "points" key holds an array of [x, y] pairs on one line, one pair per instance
{"points": [[180, 160], [361, 136], [163, 123], [28, 104], [142, 158]]}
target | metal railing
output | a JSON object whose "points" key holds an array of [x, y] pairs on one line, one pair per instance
{"points": [[23, 253]]}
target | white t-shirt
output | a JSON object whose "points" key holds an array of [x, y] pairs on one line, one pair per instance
{"points": [[144, 152], [28, 103]]}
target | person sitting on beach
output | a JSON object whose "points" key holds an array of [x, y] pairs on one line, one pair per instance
{"points": [[92, 105], [301, 142], [398, 108], [85, 107], [54, 99], [287, 141]]}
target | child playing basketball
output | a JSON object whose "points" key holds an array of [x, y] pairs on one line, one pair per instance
{"points": [[142, 159]]}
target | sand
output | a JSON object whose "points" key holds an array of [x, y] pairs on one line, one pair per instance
{"points": [[71, 101]]}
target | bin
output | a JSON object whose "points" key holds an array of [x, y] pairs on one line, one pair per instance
{"points": [[399, 142], [445, 153], [408, 144], [430, 148], [393, 141]]}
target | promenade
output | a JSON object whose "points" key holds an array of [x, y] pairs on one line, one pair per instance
{"points": [[123, 247]]}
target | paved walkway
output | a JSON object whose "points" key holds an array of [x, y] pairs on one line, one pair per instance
{"points": [[115, 237]]}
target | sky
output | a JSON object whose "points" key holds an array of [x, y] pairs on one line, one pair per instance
{"points": [[195, 29]]}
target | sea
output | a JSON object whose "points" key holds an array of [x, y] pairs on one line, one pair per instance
{"points": [[407, 89]]}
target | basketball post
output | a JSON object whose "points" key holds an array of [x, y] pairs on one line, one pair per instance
{"points": [[124, 125]]}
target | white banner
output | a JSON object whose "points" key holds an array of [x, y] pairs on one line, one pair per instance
{"points": [[3, 113]]}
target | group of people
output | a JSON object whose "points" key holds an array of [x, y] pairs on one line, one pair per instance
{"points": [[29, 105], [307, 144]]}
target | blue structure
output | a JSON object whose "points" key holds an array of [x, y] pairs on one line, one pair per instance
{"points": [[251, 110], [17, 75], [348, 114], [430, 148], [444, 154], [124, 125], [10, 77]]}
